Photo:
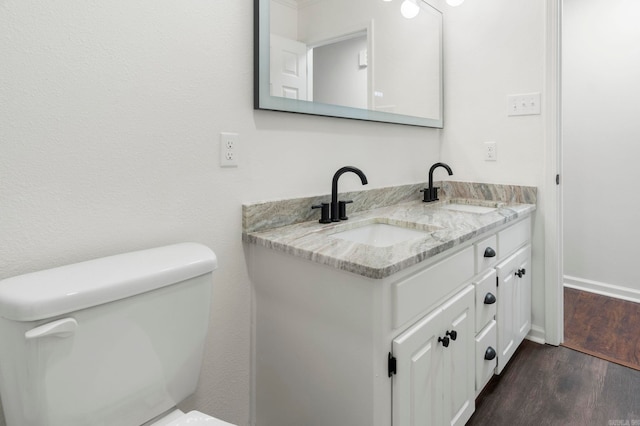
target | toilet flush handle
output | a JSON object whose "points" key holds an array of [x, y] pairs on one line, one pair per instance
{"points": [[60, 328]]}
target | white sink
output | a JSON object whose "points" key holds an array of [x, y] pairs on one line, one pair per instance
{"points": [[380, 234], [468, 208]]}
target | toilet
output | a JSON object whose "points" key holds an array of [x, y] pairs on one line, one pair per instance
{"points": [[115, 341]]}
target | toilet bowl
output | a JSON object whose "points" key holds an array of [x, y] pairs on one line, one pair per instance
{"points": [[115, 341]]}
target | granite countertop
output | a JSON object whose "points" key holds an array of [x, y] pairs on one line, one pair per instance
{"points": [[444, 229]]}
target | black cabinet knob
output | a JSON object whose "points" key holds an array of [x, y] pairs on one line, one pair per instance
{"points": [[444, 341], [519, 273], [489, 252], [489, 299], [453, 334], [490, 354]]}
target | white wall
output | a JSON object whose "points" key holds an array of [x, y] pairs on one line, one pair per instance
{"points": [[284, 19], [337, 76], [494, 49], [110, 119], [601, 65], [110, 114]]}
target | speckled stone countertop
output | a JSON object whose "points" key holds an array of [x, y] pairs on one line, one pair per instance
{"points": [[400, 206]]}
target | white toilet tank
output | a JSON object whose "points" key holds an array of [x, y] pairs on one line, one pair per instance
{"points": [[112, 341]]}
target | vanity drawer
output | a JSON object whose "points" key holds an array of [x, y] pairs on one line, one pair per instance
{"points": [[514, 236], [485, 294], [486, 347], [486, 253], [421, 291]]}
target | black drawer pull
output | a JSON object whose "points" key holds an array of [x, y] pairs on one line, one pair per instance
{"points": [[490, 354], [489, 299], [489, 252]]}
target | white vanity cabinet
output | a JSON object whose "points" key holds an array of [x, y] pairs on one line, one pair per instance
{"points": [[503, 298], [331, 347]]}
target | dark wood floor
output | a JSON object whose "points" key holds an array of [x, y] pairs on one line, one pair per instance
{"points": [[602, 326], [548, 385]]}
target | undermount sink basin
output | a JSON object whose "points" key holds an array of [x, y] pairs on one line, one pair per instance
{"points": [[380, 234], [469, 208]]}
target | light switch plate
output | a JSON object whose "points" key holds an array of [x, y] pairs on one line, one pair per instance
{"points": [[527, 104]]}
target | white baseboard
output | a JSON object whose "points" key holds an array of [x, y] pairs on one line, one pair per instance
{"points": [[604, 289], [536, 334]]}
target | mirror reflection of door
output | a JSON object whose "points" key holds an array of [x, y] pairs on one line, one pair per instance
{"points": [[288, 68], [397, 79], [340, 72]]}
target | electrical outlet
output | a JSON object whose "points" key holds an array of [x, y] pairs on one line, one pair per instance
{"points": [[228, 149], [490, 151]]}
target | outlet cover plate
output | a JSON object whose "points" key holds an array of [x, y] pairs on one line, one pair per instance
{"points": [[490, 151], [228, 149]]}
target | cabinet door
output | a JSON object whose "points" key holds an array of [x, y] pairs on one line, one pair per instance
{"points": [[513, 316], [434, 384], [459, 360], [417, 385], [524, 290], [508, 306]]}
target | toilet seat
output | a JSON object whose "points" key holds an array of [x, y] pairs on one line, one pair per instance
{"points": [[192, 418]]}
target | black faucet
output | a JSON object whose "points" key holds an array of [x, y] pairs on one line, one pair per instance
{"points": [[337, 211], [431, 193]]}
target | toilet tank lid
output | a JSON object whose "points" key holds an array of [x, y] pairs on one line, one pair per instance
{"points": [[46, 294]]}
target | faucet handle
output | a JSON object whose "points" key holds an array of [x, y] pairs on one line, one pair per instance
{"points": [[342, 209], [430, 194], [324, 213]]}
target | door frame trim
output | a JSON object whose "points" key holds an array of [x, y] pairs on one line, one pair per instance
{"points": [[552, 192]]}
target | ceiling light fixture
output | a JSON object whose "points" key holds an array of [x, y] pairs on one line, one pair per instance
{"points": [[409, 9]]}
